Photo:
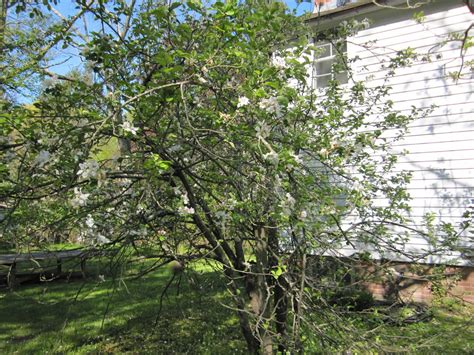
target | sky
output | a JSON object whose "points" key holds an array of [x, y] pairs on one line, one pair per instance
{"points": [[65, 6], [301, 8]]}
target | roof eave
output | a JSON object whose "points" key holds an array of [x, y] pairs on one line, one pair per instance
{"points": [[361, 7]]}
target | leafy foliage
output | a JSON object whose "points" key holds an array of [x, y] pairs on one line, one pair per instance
{"points": [[225, 150]]}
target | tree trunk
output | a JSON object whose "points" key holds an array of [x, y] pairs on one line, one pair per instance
{"points": [[267, 297], [253, 344], [258, 291], [298, 307], [280, 291], [3, 21], [281, 314], [3, 24]]}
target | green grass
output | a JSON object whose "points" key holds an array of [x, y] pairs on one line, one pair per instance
{"points": [[448, 332], [93, 316], [6, 248]]}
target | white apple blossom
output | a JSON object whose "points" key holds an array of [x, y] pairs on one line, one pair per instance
{"points": [[231, 203], [90, 221], [46, 140], [357, 185], [358, 148], [262, 129], [201, 80], [324, 152], [271, 105], [89, 169], [100, 239], [42, 158], [247, 265], [128, 127], [80, 238], [290, 200], [365, 23], [184, 210], [82, 123], [185, 198], [77, 155], [80, 198], [221, 215], [174, 148], [288, 204], [279, 62], [297, 158], [243, 101], [278, 182], [161, 232], [271, 157]]}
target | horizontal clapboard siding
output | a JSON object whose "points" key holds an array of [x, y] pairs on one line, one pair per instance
{"points": [[423, 41], [441, 146], [424, 71], [447, 54], [396, 23]]}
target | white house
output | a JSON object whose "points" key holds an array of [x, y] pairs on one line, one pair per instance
{"points": [[441, 146]]}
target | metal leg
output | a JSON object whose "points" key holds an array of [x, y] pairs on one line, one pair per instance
{"points": [[59, 266], [83, 267], [11, 277]]}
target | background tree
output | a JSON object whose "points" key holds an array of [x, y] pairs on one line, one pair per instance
{"points": [[219, 148]]}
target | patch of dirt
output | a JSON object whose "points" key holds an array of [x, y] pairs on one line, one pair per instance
{"points": [[22, 339]]}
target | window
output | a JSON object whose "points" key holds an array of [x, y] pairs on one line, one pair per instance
{"points": [[325, 5], [324, 68]]}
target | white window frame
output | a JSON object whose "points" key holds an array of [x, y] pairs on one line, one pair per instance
{"points": [[331, 58]]}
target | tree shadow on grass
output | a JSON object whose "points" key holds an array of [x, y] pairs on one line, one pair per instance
{"points": [[119, 315]]}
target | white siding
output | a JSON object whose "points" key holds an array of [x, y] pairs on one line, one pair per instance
{"points": [[441, 146]]}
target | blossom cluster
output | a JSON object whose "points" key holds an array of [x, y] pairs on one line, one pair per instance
{"points": [[42, 158], [287, 204], [89, 170], [243, 101], [184, 209], [271, 105], [129, 128], [80, 198]]}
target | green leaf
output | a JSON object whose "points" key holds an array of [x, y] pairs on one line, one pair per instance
{"points": [[278, 271], [155, 164], [174, 6], [273, 84]]}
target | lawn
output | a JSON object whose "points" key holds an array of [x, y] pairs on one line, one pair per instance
{"points": [[109, 313], [79, 316]]}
